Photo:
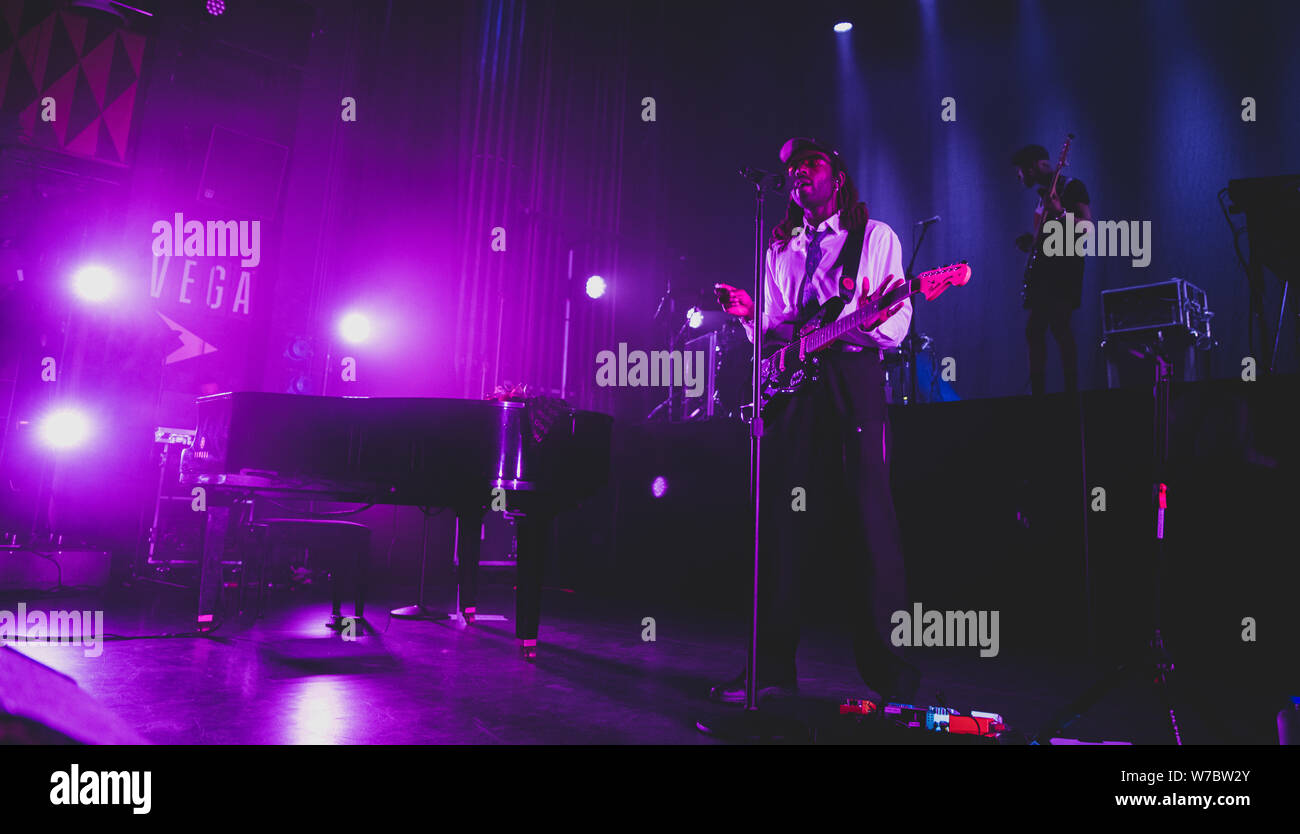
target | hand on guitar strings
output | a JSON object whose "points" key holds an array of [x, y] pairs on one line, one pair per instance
{"points": [[885, 286]]}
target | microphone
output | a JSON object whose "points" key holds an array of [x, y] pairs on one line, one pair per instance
{"points": [[757, 175], [928, 221]]}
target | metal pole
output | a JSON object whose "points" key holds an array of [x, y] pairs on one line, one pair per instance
{"points": [[568, 302], [501, 313], [755, 437]]}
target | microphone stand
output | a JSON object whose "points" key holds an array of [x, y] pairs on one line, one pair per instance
{"points": [[913, 337], [667, 307], [1154, 662], [753, 725]]}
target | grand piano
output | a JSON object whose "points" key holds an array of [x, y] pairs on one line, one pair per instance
{"points": [[426, 452]]}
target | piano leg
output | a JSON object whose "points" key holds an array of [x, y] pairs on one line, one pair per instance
{"points": [[214, 551], [469, 524], [533, 533]]}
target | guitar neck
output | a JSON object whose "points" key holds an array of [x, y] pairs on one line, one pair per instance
{"points": [[824, 336]]}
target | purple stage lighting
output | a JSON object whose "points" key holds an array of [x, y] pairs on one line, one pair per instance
{"points": [[660, 487], [65, 428], [843, 26], [216, 7], [93, 283], [595, 286], [354, 328]]}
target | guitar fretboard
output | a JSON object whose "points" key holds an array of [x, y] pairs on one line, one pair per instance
{"points": [[822, 337]]}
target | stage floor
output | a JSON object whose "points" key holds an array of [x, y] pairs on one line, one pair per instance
{"points": [[286, 679]]}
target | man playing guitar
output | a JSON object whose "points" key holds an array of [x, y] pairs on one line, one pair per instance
{"points": [[1053, 285], [828, 441]]}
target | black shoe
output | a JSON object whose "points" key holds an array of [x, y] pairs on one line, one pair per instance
{"points": [[733, 691], [905, 685]]}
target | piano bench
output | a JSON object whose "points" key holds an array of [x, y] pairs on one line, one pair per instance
{"points": [[344, 546]]}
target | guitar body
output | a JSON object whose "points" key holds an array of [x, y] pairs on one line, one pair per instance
{"points": [[785, 375]]}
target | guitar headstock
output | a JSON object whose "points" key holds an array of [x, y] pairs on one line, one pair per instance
{"points": [[1065, 151], [932, 283]]}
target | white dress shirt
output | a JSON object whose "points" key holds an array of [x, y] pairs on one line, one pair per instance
{"points": [[882, 257]]}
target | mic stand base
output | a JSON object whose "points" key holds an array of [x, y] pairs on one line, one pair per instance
{"points": [[418, 612], [754, 726]]}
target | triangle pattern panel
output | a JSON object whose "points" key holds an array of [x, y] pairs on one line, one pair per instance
{"points": [[33, 13], [66, 38], [134, 45], [95, 64], [62, 91], [122, 73], [117, 118], [90, 68], [29, 47], [60, 57], [83, 108], [104, 146], [95, 33], [86, 141]]}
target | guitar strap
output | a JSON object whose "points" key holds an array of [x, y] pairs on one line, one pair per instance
{"points": [[850, 254]]}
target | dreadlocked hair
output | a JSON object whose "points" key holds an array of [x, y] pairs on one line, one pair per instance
{"points": [[852, 211]]}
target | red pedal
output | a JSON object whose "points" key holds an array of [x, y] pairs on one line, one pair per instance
{"points": [[855, 706]]}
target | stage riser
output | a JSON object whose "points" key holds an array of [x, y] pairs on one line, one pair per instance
{"points": [[961, 474]]}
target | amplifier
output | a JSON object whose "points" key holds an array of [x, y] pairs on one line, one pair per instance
{"points": [[1174, 312], [1140, 312]]}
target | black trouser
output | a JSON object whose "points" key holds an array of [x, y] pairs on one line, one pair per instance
{"points": [[1056, 318], [831, 440]]}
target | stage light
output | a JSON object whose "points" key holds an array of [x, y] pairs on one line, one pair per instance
{"points": [[354, 328], [216, 7], [65, 428], [595, 286], [695, 317], [299, 349], [660, 487], [93, 283], [843, 26]]}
